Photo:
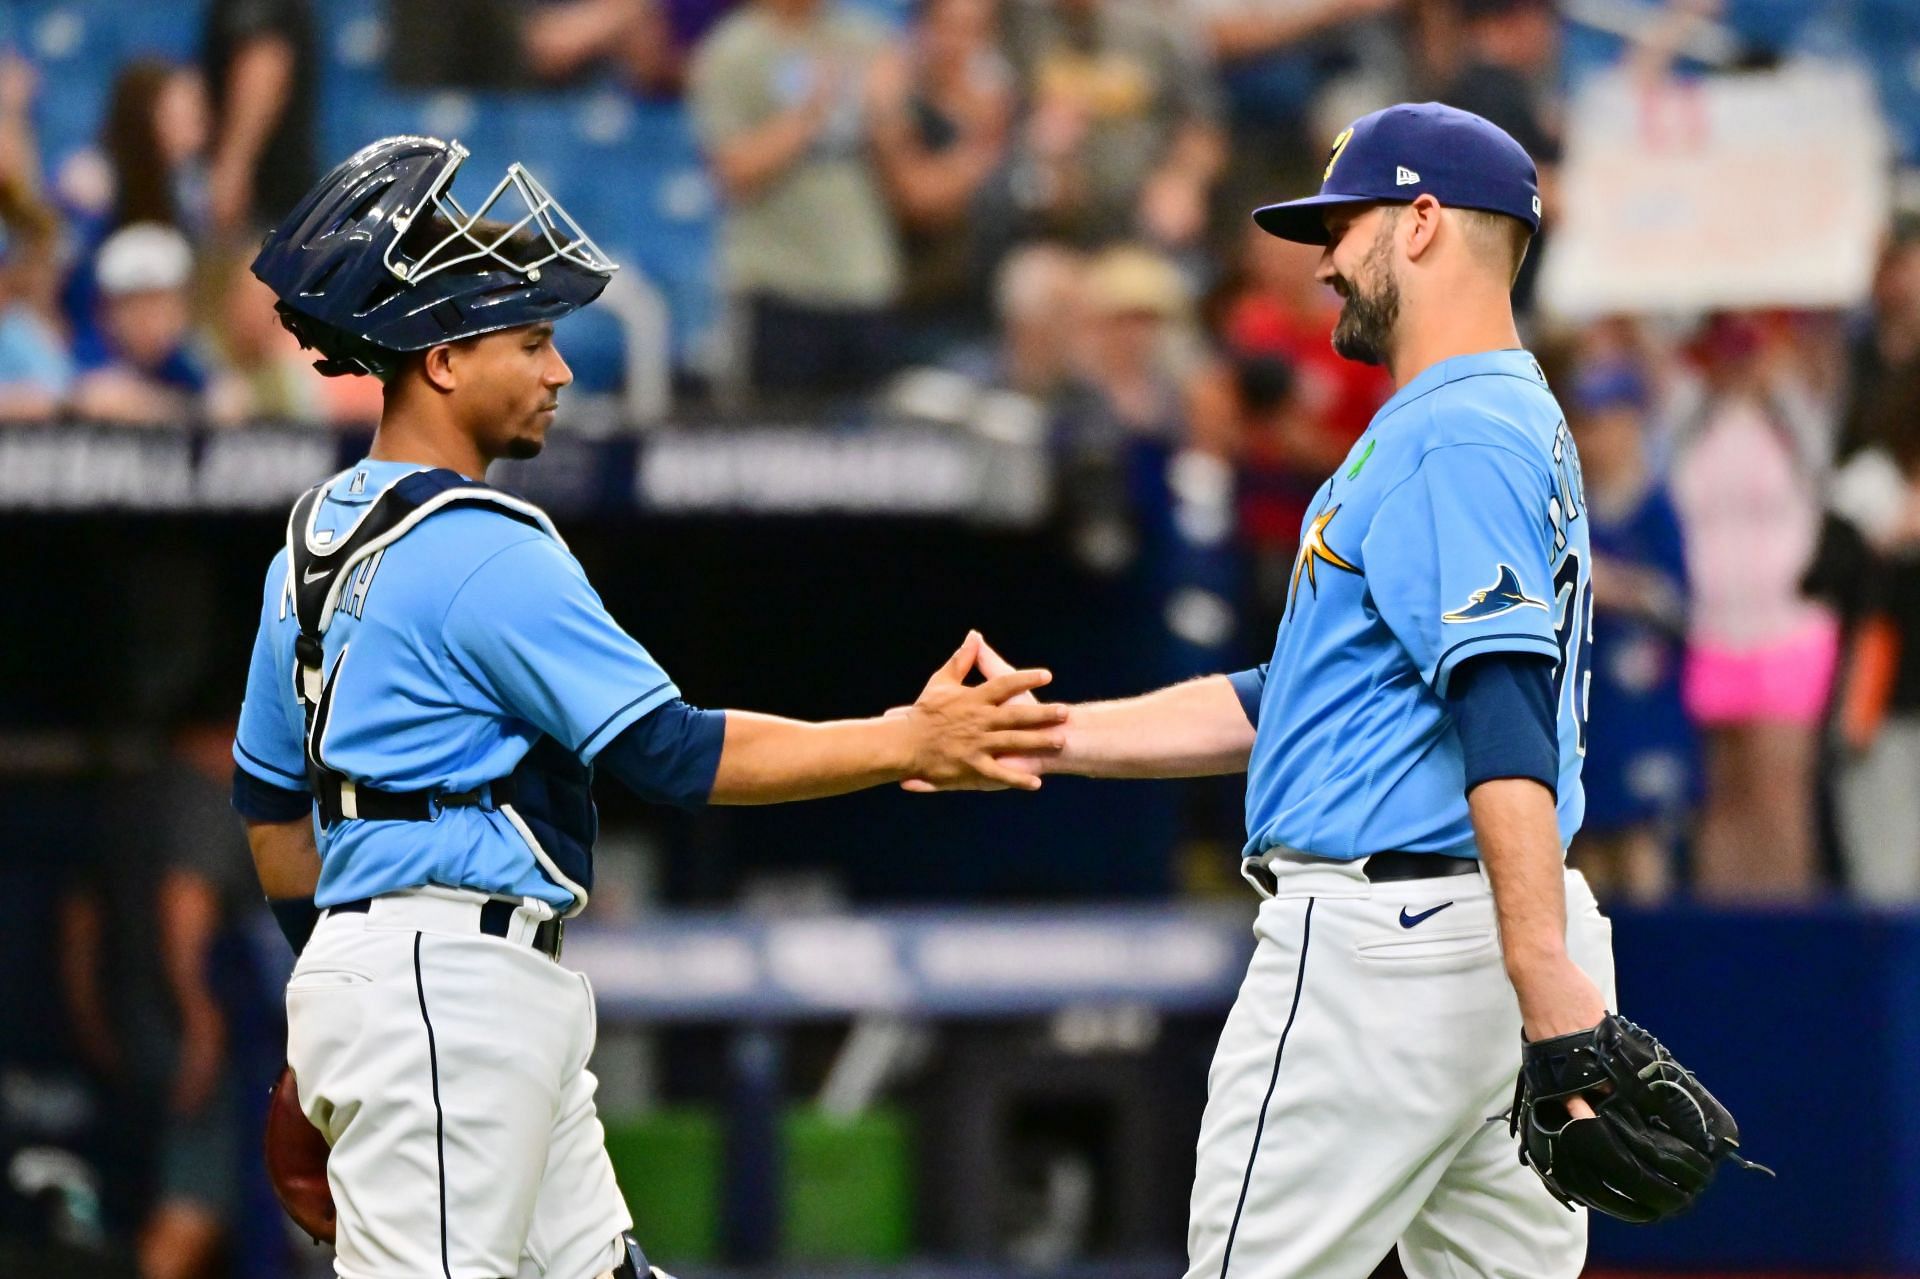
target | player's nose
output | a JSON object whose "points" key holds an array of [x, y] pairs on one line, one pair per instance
{"points": [[557, 373]]}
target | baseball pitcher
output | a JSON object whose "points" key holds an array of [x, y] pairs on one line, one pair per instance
{"points": [[1412, 753]]}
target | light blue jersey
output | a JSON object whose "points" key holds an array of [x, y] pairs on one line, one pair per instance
{"points": [[1453, 528], [464, 642]]}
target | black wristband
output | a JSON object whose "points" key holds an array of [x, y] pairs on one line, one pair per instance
{"points": [[296, 917]]}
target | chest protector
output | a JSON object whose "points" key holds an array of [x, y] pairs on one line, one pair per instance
{"points": [[547, 797]]}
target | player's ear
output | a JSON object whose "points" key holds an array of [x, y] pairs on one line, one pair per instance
{"points": [[1419, 225], [437, 366]]}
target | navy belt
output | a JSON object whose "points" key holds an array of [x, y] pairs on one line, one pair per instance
{"points": [[1386, 868], [496, 918]]}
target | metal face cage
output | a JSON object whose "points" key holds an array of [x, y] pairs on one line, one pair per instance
{"points": [[554, 229]]}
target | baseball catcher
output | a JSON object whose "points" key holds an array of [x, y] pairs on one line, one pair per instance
{"points": [[434, 689]]}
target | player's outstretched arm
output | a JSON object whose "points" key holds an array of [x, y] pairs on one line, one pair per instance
{"points": [[1195, 729], [951, 735]]}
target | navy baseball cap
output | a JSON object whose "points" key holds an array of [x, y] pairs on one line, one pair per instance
{"points": [[1413, 149]]}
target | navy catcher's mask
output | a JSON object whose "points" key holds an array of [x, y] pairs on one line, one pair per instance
{"points": [[379, 259]]}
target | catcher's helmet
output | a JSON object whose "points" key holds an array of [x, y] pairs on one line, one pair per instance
{"points": [[379, 259]]}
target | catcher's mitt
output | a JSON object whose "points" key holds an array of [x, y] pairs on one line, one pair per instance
{"points": [[297, 1161], [1657, 1136]]}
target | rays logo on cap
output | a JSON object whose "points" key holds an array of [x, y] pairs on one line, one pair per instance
{"points": [[1339, 145], [1503, 597]]}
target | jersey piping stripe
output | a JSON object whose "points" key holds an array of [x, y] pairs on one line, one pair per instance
{"points": [[588, 740], [1443, 668], [1299, 983], [277, 772], [439, 1118]]}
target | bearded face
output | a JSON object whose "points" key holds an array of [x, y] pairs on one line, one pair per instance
{"points": [[1364, 331]]}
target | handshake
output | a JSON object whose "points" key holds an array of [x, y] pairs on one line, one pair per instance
{"points": [[990, 736]]}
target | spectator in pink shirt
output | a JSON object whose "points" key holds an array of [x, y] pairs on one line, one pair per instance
{"points": [[1761, 656]]}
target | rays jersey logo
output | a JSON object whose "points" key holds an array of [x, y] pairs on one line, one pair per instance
{"points": [[1497, 600], [1314, 552]]}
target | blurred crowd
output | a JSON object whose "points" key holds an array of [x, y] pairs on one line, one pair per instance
{"points": [[883, 188], [124, 294]]}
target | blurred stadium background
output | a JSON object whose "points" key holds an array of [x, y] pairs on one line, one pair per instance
{"points": [[938, 314]]}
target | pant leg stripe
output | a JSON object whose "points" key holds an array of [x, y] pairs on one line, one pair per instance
{"points": [[439, 1119], [1299, 982]]}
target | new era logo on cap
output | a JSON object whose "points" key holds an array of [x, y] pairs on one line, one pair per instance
{"points": [[1462, 160]]}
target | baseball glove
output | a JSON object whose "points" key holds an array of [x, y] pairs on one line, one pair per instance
{"points": [[297, 1161], [1657, 1136]]}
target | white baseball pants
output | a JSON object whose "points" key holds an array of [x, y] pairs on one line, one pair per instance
{"points": [[448, 1069], [1350, 1102]]}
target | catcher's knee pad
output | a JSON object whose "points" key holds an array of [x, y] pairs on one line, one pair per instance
{"points": [[633, 1262]]}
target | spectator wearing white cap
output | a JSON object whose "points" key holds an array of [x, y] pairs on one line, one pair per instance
{"points": [[1136, 343], [140, 368], [1125, 417]]}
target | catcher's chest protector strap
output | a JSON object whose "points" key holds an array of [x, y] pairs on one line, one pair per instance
{"points": [[322, 563]]}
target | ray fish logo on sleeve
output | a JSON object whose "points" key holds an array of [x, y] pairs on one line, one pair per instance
{"points": [[1503, 597]]}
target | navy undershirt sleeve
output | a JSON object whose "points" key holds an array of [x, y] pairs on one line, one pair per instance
{"points": [[1502, 705], [669, 755], [1248, 685], [259, 801]]}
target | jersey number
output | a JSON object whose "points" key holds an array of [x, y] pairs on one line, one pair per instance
{"points": [[1573, 632]]}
